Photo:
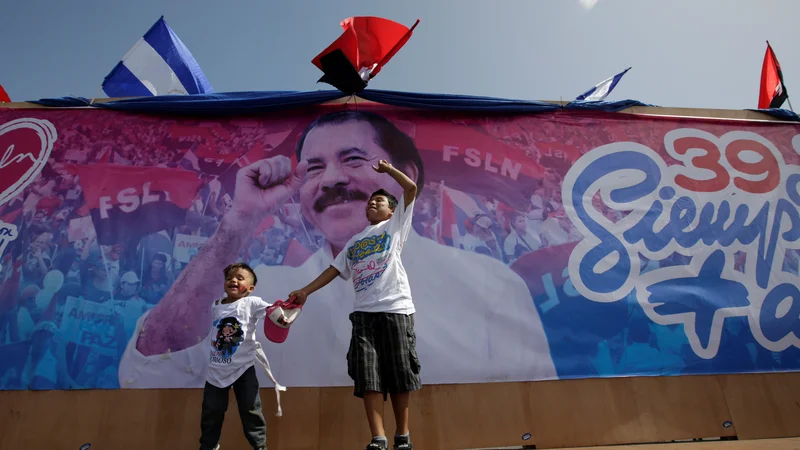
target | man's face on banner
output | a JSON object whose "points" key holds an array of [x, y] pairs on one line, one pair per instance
{"points": [[340, 178]]}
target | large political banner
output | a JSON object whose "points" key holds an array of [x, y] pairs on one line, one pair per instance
{"points": [[559, 245]]}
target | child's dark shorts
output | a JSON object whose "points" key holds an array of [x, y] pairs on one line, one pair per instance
{"points": [[383, 353]]}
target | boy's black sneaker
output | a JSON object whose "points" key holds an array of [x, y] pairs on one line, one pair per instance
{"points": [[376, 445], [402, 443]]}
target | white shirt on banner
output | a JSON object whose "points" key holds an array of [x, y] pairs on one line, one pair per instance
{"points": [[371, 259], [529, 241], [475, 322]]}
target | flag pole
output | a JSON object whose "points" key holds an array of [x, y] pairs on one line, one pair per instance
{"points": [[441, 211], [303, 224], [789, 102], [95, 95], [108, 275]]}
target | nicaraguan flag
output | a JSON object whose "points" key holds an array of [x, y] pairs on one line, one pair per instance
{"points": [[158, 64], [600, 91]]}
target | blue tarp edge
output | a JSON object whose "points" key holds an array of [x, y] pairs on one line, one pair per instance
{"points": [[250, 102]]}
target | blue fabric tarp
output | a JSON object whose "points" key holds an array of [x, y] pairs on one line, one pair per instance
{"points": [[455, 102], [267, 101], [63, 102], [783, 114], [604, 106], [270, 101]]}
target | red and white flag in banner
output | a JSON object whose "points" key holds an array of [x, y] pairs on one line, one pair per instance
{"points": [[128, 202], [456, 209], [772, 92]]}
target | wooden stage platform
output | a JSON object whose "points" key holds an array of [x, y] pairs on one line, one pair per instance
{"points": [[756, 411], [759, 444]]}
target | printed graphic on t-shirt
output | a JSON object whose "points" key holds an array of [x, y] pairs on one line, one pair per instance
{"points": [[230, 335], [365, 270]]}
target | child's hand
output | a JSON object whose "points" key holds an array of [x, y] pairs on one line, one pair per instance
{"points": [[383, 166], [298, 297]]}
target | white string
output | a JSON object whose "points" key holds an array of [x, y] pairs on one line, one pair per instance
{"points": [[262, 358]]}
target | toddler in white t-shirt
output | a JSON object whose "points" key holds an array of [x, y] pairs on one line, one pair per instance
{"points": [[233, 351]]}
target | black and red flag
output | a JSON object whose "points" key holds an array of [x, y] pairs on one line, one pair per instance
{"points": [[773, 92], [365, 46], [129, 202]]}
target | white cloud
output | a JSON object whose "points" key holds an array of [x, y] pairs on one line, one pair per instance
{"points": [[588, 4]]}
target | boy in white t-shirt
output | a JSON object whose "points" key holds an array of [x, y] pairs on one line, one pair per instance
{"points": [[382, 358], [232, 358]]}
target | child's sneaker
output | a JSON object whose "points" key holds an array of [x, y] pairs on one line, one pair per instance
{"points": [[377, 444], [402, 443]]}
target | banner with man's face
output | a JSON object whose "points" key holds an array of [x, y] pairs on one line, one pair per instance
{"points": [[546, 246]]}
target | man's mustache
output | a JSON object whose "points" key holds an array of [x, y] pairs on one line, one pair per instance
{"points": [[337, 195]]}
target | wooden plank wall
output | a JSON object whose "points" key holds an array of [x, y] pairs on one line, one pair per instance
{"points": [[555, 414]]}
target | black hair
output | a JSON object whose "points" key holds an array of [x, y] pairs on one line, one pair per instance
{"points": [[513, 216], [390, 197], [398, 145], [240, 265]]}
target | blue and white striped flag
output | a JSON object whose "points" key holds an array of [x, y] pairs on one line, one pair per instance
{"points": [[158, 64], [602, 89]]}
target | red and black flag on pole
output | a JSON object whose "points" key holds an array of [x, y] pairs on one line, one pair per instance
{"points": [[365, 46], [3, 96], [773, 92]]}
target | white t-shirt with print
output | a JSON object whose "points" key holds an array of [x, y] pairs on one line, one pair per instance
{"points": [[371, 260], [232, 340]]}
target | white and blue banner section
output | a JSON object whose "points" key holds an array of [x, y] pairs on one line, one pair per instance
{"points": [[600, 91], [158, 64]]}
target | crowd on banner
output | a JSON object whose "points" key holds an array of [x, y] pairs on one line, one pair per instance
{"points": [[69, 304]]}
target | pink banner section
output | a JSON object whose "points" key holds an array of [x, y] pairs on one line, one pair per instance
{"points": [[557, 245]]}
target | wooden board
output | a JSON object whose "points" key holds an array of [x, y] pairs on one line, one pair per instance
{"points": [[153, 419], [767, 444], [763, 405], [466, 416], [627, 410], [556, 414]]}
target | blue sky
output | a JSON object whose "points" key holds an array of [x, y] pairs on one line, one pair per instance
{"points": [[690, 53]]}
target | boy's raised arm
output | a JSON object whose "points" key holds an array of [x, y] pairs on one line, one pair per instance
{"points": [[299, 296], [408, 185]]}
